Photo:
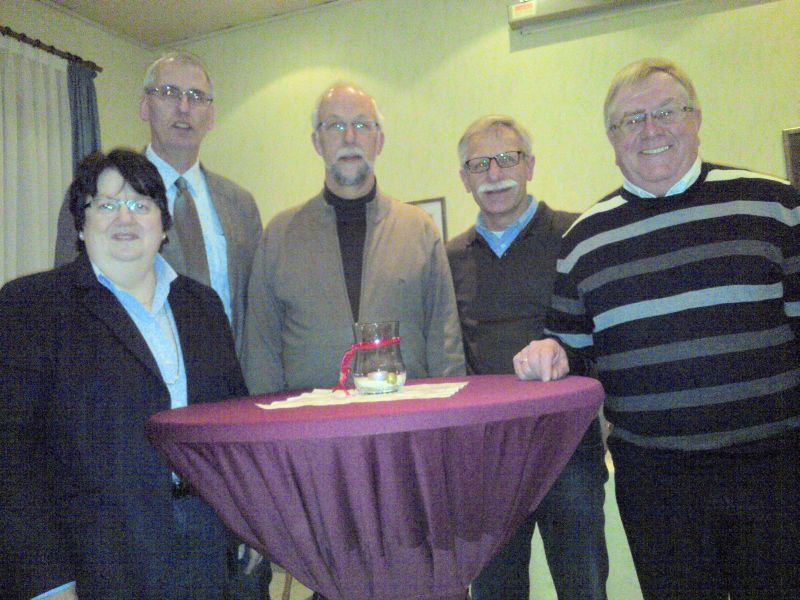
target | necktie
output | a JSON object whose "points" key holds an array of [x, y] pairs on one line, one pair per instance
{"points": [[190, 233]]}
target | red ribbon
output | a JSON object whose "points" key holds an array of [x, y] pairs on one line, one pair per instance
{"points": [[344, 368]]}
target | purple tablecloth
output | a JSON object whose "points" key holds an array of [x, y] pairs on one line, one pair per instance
{"points": [[387, 500]]}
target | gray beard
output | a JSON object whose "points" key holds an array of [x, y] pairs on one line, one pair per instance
{"points": [[354, 181]]}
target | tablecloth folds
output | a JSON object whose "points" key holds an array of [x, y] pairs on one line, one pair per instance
{"points": [[413, 511]]}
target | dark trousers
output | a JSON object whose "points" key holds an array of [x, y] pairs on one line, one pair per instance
{"points": [[242, 586], [197, 565], [571, 523], [705, 525]]}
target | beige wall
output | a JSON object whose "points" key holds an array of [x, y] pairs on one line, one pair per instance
{"points": [[435, 65]]}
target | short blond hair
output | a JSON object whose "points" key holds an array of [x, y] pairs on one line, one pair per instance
{"points": [[641, 70]]}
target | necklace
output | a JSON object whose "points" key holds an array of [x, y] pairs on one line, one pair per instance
{"points": [[174, 337]]}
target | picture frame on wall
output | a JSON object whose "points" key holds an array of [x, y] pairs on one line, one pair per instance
{"points": [[791, 148], [435, 207]]}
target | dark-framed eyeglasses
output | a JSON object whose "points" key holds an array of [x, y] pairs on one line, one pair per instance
{"points": [[338, 126], [174, 94], [504, 160], [110, 206], [634, 122]]}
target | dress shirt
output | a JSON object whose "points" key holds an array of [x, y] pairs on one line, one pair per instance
{"points": [[499, 241], [213, 235], [158, 328], [679, 187]]}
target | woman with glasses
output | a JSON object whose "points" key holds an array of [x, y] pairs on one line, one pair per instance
{"points": [[87, 353]]}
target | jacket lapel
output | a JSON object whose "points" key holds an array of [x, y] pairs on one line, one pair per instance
{"points": [[101, 303], [192, 333], [226, 221], [181, 305]]}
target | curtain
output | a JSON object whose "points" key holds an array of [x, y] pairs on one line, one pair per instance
{"points": [[36, 161], [83, 108]]}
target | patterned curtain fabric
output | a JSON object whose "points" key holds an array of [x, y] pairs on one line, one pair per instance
{"points": [[35, 155]]}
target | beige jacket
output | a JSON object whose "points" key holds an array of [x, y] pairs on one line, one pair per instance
{"points": [[299, 320]]}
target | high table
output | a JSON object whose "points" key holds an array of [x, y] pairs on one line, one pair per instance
{"points": [[387, 500]]}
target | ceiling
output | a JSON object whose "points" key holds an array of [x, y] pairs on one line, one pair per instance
{"points": [[151, 24]]}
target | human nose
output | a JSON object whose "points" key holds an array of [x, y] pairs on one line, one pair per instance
{"points": [[495, 170], [124, 214], [349, 133], [651, 124], [183, 103]]}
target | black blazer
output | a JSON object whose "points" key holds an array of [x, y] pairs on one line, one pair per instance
{"points": [[84, 496]]}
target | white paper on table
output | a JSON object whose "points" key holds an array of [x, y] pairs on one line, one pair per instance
{"points": [[325, 397]]}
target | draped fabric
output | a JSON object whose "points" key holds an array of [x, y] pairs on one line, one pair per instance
{"points": [[83, 108], [36, 161], [384, 500]]}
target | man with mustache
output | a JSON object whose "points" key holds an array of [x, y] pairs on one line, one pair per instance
{"points": [[503, 270], [349, 254]]}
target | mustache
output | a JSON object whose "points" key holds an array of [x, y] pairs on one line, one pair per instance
{"points": [[349, 151], [497, 185]]}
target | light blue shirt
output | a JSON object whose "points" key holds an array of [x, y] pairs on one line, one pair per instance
{"points": [[499, 241], [213, 235], [679, 187], [159, 330]]}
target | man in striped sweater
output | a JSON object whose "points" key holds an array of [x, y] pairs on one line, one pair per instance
{"points": [[682, 288]]}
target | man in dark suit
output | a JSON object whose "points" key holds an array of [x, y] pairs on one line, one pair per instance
{"points": [[177, 102]]}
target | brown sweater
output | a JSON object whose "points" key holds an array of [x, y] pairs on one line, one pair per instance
{"points": [[299, 320]]}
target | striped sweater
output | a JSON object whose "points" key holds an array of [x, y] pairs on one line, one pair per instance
{"points": [[689, 308]]}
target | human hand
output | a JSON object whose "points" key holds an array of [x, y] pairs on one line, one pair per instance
{"points": [[253, 558], [544, 359]]}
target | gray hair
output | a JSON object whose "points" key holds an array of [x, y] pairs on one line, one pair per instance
{"points": [[181, 58], [491, 122], [641, 70], [343, 84]]}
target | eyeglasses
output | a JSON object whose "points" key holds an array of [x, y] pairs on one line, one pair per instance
{"points": [[110, 206], [174, 94], [504, 160], [341, 126], [634, 123]]}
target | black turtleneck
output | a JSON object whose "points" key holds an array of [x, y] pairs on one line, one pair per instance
{"points": [[351, 227]]}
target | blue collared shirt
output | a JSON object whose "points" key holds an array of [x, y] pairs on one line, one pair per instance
{"points": [[213, 235], [158, 328], [678, 187], [499, 241]]}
